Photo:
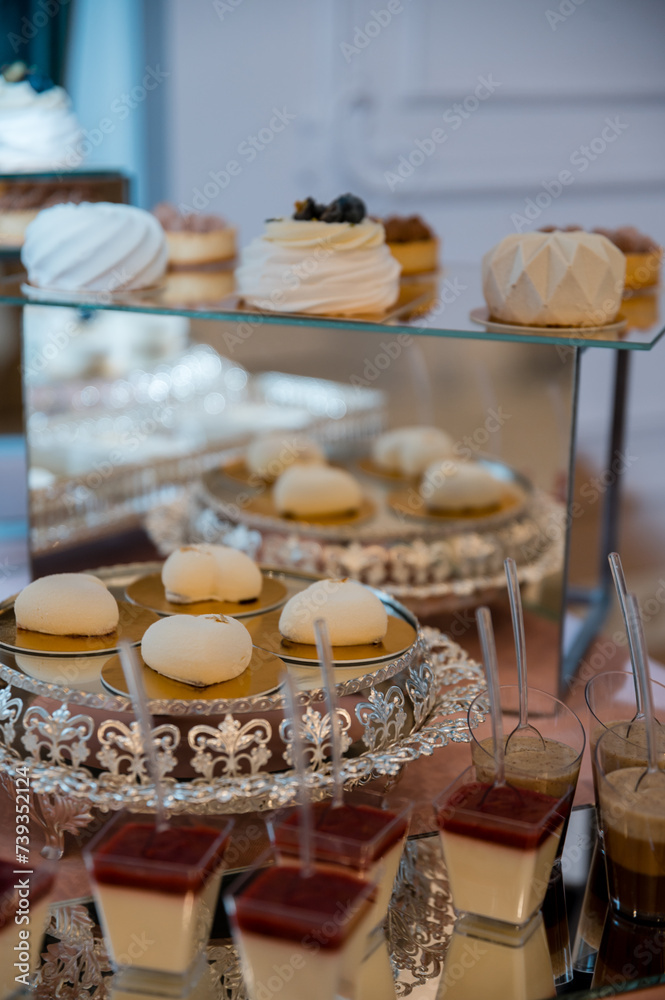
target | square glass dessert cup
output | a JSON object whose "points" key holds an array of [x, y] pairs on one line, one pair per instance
{"points": [[632, 821], [499, 846], [364, 834], [301, 932], [550, 765], [24, 907], [156, 894]]}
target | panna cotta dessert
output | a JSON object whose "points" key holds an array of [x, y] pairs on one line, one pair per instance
{"points": [[24, 907], [97, 247], [324, 260], [499, 845], [412, 243], [194, 239], [355, 835], [353, 614], [210, 573], [313, 924], [453, 487], [316, 491], [554, 279], [197, 649], [67, 604], [270, 455], [410, 451], [156, 887]]}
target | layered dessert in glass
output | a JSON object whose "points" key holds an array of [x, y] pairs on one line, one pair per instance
{"points": [[156, 893]]}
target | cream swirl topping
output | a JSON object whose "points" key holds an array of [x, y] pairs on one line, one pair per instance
{"points": [[37, 130]]}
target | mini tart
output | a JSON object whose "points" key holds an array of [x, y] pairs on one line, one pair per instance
{"points": [[417, 257], [189, 287], [643, 269], [186, 247]]}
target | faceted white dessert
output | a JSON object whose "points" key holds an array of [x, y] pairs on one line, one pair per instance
{"points": [[197, 649], [316, 491], [455, 486], [210, 573], [408, 451], [67, 604], [353, 614], [267, 457], [554, 279]]}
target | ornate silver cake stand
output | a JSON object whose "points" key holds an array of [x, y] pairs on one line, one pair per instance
{"points": [[84, 755]]}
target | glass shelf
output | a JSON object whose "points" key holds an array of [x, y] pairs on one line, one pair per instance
{"points": [[433, 306]]}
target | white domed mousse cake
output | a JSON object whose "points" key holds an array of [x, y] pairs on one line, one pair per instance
{"points": [[210, 573], [354, 615], [408, 451], [267, 457], [67, 604], [554, 279], [197, 649], [98, 247], [316, 491], [460, 486]]}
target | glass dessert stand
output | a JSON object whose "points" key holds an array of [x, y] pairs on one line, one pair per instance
{"points": [[82, 748]]}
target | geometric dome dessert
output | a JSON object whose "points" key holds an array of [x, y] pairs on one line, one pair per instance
{"points": [[554, 279]]}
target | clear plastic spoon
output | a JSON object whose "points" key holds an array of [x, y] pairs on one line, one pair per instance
{"points": [[622, 592], [488, 646], [517, 615], [641, 667], [324, 650], [306, 825]]}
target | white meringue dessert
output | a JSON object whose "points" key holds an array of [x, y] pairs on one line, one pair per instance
{"points": [[38, 128], [206, 572], [67, 604], [554, 279], [409, 451], [197, 649], [459, 486], [308, 265], [267, 457], [97, 247], [354, 615], [316, 491]]}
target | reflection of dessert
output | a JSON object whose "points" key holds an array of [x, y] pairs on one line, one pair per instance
{"points": [[353, 614], [67, 604], [542, 765], [268, 456], [324, 260], [78, 672], [633, 821], [554, 279], [412, 243], [210, 573], [499, 845], [38, 129], [316, 491], [94, 247], [408, 451], [198, 650], [315, 925], [158, 887], [21, 926], [195, 239], [460, 487]]}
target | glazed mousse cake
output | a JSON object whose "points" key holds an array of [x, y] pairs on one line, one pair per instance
{"points": [[24, 904], [158, 888], [312, 924], [499, 845]]}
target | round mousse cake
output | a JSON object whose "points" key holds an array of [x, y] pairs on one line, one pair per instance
{"points": [[412, 243], [354, 615], [316, 490], [210, 573], [554, 279], [67, 604], [409, 451], [325, 260], [197, 649], [195, 239], [267, 457], [451, 486], [98, 247]]}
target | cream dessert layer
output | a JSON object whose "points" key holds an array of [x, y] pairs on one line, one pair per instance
{"points": [[547, 766], [210, 573], [353, 614], [197, 649], [67, 604], [38, 128], [98, 247], [320, 266], [409, 451]]}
